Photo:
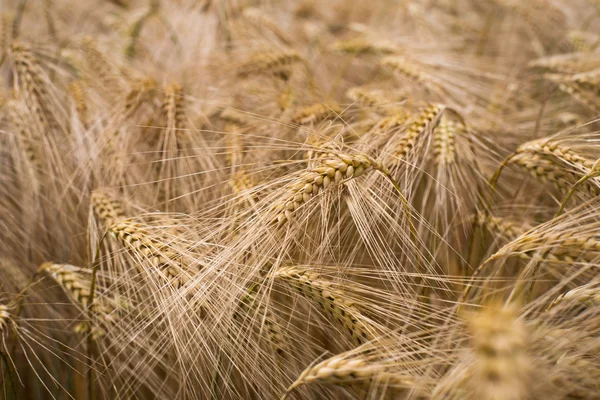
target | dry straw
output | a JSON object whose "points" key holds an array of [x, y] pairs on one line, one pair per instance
{"points": [[332, 301], [444, 141], [4, 318], [160, 257], [422, 123], [316, 113], [361, 46], [501, 367], [77, 282], [343, 370], [332, 170], [587, 296], [510, 229], [269, 63]]}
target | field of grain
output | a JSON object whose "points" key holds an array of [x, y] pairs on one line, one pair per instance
{"points": [[300, 199]]}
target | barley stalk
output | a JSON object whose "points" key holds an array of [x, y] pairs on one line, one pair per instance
{"points": [[341, 369], [333, 170], [549, 172], [106, 208], [545, 245], [583, 42], [367, 98], [398, 118], [586, 295], [501, 366], [316, 113], [136, 29], [251, 304], [583, 87], [5, 318], [5, 33], [18, 118], [333, 301], [236, 117], [143, 91], [425, 121], [76, 281], [32, 85], [360, 46], [411, 70], [567, 64], [173, 107], [106, 75], [269, 63], [235, 145], [508, 228], [259, 18], [79, 98], [444, 139], [561, 152], [136, 238]]}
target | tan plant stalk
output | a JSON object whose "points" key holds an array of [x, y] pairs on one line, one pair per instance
{"points": [[174, 107], [286, 100], [561, 152], [557, 246], [5, 33], [340, 369], [236, 117], [572, 63], [398, 118], [136, 28], [582, 41], [501, 226], [586, 295], [269, 63], [547, 171], [333, 169], [548, 246], [332, 301], [554, 164], [252, 305], [235, 145], [410, 70], [367, 98], [4, 318], [241, 184], [364, 46], [18, 119], [444, 139], [32, 85], [316, 113], [501, 368], [583, 87], [425, 121], [160, 257], [261, 20], [106, 208], [106, 75], [76, 281], [593, 173], [143, 90], [79, 98], [320, 146]]}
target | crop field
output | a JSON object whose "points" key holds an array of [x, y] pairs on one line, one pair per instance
{"points": [[300, 199]]}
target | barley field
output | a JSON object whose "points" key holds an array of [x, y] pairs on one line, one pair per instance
{"points": [[300, 199]]}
